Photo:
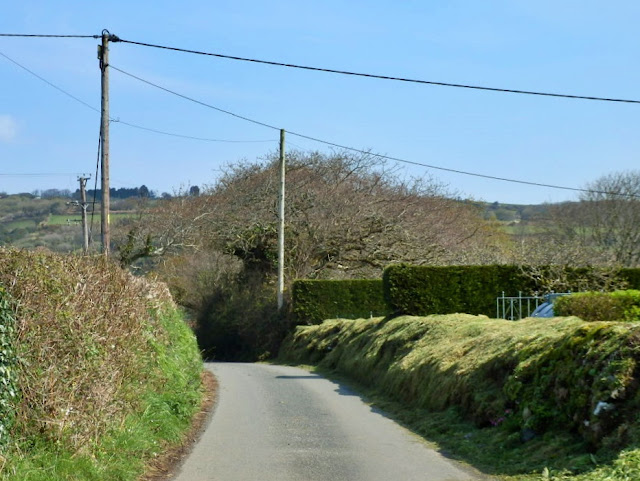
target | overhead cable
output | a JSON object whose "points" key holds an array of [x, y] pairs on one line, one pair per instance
{"points": [[395, 159], [36, 35], [382, 77], [192, 99], [114, 38], [162, 132], [190, 137], [50, 84], [38, 174]]}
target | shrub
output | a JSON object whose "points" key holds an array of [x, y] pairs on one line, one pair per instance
{"points": [[601, 306], [632, 277], [313, 301]]}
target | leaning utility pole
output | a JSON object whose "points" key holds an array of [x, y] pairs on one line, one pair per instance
{"points": [[103, 55], [281, 226], [83, 204]]}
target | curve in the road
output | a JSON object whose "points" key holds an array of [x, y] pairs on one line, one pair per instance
{"points": [[286, 424]]}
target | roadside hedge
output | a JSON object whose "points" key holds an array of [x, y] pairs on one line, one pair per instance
{"points": [[317, 300], [8, 382], [422, 290], [601, 306]]}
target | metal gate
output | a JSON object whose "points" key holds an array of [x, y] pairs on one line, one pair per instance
{"points": [[516, 308]]}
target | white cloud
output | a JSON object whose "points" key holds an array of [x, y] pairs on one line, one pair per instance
{"points": [[8, 128]]}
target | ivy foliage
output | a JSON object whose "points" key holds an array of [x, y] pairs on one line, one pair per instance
{"points": [[8, 380]]}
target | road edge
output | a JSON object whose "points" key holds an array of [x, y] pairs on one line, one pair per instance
{"points": [[167, 465]]}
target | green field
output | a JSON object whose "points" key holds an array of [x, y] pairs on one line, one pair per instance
{"points": [[21, 224], [72, 219]]}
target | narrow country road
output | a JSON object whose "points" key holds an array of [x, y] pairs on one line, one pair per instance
{"points": [[286, 424]]}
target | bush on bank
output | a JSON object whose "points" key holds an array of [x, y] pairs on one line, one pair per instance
{"points": [[601, 306]]}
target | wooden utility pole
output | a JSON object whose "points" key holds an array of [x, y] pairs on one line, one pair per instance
{"points": [[281, 226], [103, 55], [83, 204]]}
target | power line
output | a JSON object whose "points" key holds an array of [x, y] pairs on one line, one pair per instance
{"points": [[456, 171], [190, 137], [395, 159], [129, 124], [382, 77], [204, 104], [50, 84], [38, 174], [35, 35]]}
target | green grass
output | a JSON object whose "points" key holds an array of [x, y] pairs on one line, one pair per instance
{"points": [[62, 219], [163, 416], [475, 385], [21, 224]]}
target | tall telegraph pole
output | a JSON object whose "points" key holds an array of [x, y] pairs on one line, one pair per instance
{"points": [[103, 55], [281, 226]]}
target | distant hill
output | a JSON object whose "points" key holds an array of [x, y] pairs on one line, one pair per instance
{"points": [[30, 221]]}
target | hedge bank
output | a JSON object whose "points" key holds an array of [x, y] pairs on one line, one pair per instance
{"points": [[529, 378], [108, 371]]}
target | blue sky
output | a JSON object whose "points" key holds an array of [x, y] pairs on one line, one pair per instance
{"points": [[577, 47]]}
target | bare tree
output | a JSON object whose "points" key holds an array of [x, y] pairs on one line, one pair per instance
{"points": [[605, 223], [612, 211], [347, 216]]}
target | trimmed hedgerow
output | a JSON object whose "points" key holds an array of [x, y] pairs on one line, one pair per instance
{"points": [[424, 290], [601, 306], [8, 384], [317, 300]]}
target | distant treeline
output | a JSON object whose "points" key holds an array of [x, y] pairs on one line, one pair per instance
{"points": [[121, 193]]}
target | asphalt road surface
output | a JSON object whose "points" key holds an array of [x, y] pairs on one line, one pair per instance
{"points": [[286, 424]]}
